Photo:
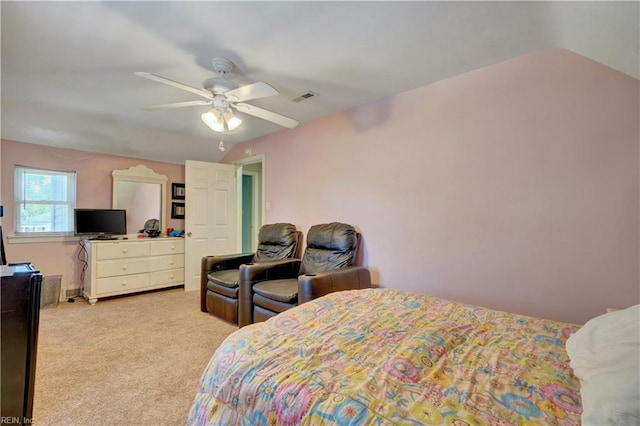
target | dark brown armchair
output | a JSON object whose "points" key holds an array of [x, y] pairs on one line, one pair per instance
{"points": [[219, 274], [326, 266]]}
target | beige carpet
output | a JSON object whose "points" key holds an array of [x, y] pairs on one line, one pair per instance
{"points": [[132, 360]]}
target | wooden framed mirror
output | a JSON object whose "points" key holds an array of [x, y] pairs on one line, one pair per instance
{"points": [[142, 193]]}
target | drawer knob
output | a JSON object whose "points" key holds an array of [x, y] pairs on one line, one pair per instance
{"points": [[124, 268], [124, 283], [171, 276], [124, 250], [171, 263]]}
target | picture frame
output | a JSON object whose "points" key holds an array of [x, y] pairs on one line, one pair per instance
{"points": [[177, 210], [177, 191]]}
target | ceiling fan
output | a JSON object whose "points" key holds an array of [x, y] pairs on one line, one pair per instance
{"points": [[223, 94]]}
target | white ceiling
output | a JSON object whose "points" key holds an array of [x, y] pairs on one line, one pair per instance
{"points": [[68, 67]]}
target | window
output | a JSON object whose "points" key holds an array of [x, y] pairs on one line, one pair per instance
{"points": [[44, 201]]}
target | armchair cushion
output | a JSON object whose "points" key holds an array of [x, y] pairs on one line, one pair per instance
{"points": [[280, 290], [329, 246], [276, 241], [270, 305], [231, 292], [227, 278], [251, 274]]}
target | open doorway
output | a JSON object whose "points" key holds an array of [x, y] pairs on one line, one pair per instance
{"points": [[250, 201]]}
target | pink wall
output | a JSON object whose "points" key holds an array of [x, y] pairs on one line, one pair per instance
{"points": [[515, 186], [94, 190]]}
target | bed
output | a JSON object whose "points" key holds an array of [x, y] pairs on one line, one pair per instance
{"points": [[383, 356]]}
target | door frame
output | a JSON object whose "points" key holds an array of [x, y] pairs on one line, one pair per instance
{"points": [[258, 206], [255, 201]]}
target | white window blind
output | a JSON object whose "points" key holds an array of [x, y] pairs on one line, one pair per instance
{"points": [[44, 201]]}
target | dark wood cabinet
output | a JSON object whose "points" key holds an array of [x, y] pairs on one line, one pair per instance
{"points": [[20, 287]]}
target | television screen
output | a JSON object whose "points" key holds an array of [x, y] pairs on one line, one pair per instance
{"points": [[100, 223]]}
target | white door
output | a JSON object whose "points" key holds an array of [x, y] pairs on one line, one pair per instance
{"points": [[210, 215]]}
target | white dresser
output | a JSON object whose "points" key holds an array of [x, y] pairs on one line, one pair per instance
{"points": [[129, 266]]}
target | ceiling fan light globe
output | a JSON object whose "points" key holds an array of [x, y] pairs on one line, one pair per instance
{"points": [[233, 122], [219, 125], [214, 120], [208, 118]]}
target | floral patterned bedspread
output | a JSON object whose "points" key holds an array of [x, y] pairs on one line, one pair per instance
{"points": [[382, 357]]}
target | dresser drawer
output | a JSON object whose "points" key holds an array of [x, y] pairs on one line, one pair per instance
{"points": [[171, 276], [122, 284], [167, 246], [161, 263], [111, 268], [121, 250]]}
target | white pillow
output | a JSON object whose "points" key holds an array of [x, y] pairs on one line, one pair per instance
{"points": [[605, 356]]}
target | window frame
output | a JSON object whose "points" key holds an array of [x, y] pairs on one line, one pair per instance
{"points": [[19, 198]]}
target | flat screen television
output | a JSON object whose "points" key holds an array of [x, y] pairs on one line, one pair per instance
{"points": [[100, 223]]}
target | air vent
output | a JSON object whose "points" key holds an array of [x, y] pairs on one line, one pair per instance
{"points": [[304, 96]]}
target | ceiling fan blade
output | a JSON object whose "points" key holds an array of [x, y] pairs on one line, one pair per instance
{"points": [[175, 84], [266, 115], [176, 105], [256, 90]]}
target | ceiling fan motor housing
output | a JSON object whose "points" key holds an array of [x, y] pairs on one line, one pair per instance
{"points": [[222, 65], [218, 86], [220, 103]]}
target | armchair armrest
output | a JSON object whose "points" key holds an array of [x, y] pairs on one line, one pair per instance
{"points": [[312, 286], [218, 263], [226, 261], [253, 273]]}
